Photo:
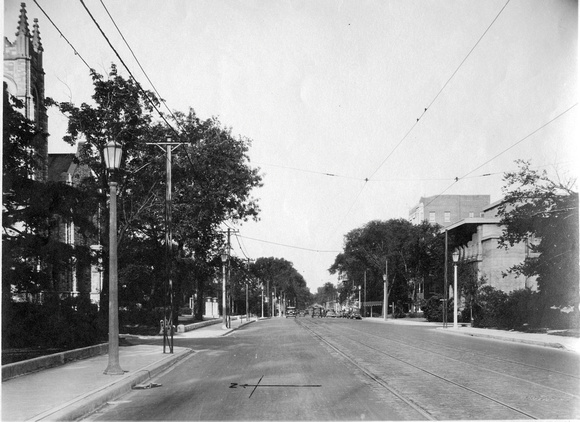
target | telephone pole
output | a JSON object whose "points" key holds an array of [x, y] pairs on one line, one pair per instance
{"points": [[168, 148], [229, 232]]}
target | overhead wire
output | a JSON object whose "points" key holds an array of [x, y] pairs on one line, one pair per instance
{"points": [[422, 114], [127, 69], [62, 35], [146, 76], [457, 179], [440, 91], [288, 246], [139, 63]]}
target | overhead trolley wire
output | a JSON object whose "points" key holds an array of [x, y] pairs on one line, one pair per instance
{"points": [[441, 90], [457, 179], [425, 111]]}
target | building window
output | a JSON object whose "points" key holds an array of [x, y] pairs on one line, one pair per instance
{"points": [[431, 216], [471, 214], [447, 216]]}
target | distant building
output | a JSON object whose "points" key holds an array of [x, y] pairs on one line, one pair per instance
{"points": [[477, 241], [447, 209]]}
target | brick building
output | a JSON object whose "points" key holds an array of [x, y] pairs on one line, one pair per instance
{"points": [[447, 209]]}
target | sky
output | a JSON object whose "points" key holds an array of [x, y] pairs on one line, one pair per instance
{"points": [[355, 108]]}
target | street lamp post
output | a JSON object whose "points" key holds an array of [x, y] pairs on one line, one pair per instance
{"points": [[455, 257], [359, 304], [224, 316], [112, 155]]}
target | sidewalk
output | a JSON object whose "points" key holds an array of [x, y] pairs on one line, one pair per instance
{"points": [[70, 391], [570, 344]]}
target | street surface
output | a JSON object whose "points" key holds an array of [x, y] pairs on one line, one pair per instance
{"points": [[339, 369]]}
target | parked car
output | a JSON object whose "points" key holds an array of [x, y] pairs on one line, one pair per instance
{"points": [[355, 314], [330, 313], [291, 312]]}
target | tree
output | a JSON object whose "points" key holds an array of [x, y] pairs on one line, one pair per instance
{"points": [[544, 214], [33, 210], [279, 275], [326, 293], [413, 254], [34, 256], [212, 181]]}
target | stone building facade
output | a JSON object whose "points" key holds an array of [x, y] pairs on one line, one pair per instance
{"points": [[24, 78], [477, 241]]}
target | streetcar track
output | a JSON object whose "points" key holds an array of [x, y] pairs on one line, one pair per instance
{"points": [[474, 353], [399, 395], [372, 376], [503, 374], [484, 356]]}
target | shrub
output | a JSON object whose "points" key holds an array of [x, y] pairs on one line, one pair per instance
{"points": [[489, 309], [433, 309], [64, 324]]}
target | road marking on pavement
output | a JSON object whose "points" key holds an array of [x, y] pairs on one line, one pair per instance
{"points": [[236, 385]]}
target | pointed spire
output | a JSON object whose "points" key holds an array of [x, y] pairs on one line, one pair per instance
{"points": [[36, 37], [23, 22]]}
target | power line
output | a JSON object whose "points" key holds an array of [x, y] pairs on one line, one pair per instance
{"points": [[287, 246], [127, 68], [240, 245], [62, 35], [440, 91], [139, 63]]}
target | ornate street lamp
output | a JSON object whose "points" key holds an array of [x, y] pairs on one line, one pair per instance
{"points": [[224, 260], [112, 155], [455, 256]]}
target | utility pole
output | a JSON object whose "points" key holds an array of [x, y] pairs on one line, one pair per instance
{"points": [[229, 232], [386, 291], [168, 148], [445, 290], [365, 283], [247, 284]]}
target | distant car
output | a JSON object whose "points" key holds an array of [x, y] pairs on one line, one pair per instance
{"points": [[355, 314], [330, 313], [317, 312], [291, 312]]}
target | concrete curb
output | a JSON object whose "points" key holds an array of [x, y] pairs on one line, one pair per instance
{"points": [[91, 401], [183, 328], [511, 339], [16, 369], [230, 330]]}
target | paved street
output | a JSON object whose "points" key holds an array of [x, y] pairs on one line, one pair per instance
{"points": [[322, 369]]}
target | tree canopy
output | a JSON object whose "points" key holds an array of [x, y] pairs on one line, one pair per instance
{"points": [[544, 214], [34, 255], [212, 181], [279, 275], [413, 254]]}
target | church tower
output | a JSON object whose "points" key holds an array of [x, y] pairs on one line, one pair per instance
{"points": [[24, 77]]}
